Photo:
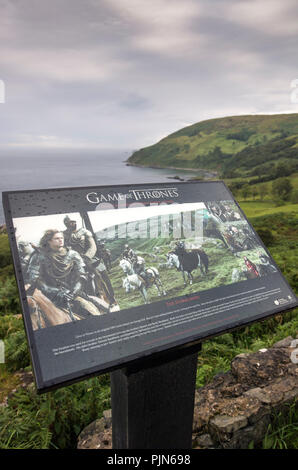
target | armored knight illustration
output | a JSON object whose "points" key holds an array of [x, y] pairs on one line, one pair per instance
{"points": [[139, 267], [104, 254], [81, 240], [58, 272], [128, 253]]}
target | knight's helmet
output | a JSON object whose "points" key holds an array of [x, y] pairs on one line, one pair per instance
{"points": [[66, 220]]}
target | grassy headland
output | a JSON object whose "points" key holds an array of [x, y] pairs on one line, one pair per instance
{"points": [[233, 146]]}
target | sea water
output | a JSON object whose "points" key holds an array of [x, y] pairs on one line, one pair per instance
{"points": [[24, 169]]}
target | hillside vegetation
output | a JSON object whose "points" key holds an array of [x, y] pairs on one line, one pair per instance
{"points": [[233, 146]]}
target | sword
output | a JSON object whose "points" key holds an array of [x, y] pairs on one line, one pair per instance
{"points": [[69, 310]]}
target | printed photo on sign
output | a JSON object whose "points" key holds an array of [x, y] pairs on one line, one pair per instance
{"points": [[64, 281], [177, 253], [132, 256]]}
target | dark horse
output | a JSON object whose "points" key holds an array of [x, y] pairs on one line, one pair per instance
{"points": [[191, 260]]}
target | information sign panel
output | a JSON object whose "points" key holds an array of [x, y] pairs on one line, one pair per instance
{"points": [[109, 275]]}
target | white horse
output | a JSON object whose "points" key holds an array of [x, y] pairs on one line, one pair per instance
{"points": [[173, 261], [133, 280]]}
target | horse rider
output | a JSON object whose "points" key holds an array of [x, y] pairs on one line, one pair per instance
{"points": [[82, 241], [180, 244], [229, 236], [59, 273], [217, 212], [179, 247], [128, 253], [139, 268]]}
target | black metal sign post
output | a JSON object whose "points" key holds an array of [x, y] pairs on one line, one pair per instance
{"points": [[153, 403]]}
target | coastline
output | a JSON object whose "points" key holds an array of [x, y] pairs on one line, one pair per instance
{"points": [[212, 173]]}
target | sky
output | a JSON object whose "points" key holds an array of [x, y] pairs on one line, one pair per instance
{"points": [[33, 228], [126, 73], [136, 213]]}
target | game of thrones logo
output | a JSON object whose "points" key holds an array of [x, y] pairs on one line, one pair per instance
{"points": [[136, 194], [97, 198], [141, 194]]}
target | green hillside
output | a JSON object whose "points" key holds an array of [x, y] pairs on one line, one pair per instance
{"points": [[234, 146]]}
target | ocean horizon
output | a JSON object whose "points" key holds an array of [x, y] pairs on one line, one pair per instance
{"points": [[44, 169]]}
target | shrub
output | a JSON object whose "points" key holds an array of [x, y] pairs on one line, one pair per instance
{"points": [[16, 351], [53, 420], [10, 324], [5, 256], [266, 235], [282, 188], [294, 197], [9, 297]]}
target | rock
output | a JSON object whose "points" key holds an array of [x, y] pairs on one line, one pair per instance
{"points": [[204, 441], [95, 436], [26, 378], [260, 394], [284, 343], [107, 415], [234, 390], [260, 368], [258, 386], [223, 424], [235, 409], [282, 390], [242, 355], [251, 434], [257, 412], [293, 369]]}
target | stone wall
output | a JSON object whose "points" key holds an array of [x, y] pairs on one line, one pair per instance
{"points": [[236, 408]]}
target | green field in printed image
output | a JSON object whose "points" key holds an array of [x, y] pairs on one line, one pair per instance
{"points": [[204, 248], [224, 268]]}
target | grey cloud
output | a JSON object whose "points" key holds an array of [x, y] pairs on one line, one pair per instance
{"points": [[136, 102], [104, 71]]}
